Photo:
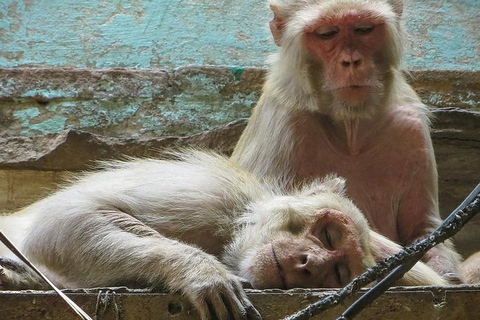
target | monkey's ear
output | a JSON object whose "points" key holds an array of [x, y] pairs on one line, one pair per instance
{"points": [[277, 25], [330, 183], [397, 6]]}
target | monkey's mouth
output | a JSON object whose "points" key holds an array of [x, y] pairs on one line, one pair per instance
{"points": [[280, 270], [352, 87], [353, 94]]}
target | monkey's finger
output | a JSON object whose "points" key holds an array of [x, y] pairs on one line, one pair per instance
{"points": [[235, 306], [202, 308], [251, 312], [245, 284], [218, 307]]}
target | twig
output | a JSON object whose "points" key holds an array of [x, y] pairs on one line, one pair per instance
{"points": [[17, 252], [401, 262]]}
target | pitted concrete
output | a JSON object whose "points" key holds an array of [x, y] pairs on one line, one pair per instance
{"points": [[420, 303], [443, 35], [146, 103]]}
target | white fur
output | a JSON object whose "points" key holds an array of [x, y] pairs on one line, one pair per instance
{"points": [[191, 225], [297, 105]]}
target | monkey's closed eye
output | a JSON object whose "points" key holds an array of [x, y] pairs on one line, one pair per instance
{"points": [[331, 236], [342, 273], [326, 32], [326, 239], [364, 29]]}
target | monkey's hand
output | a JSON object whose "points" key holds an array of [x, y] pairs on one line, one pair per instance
{"points": [[15, 275], [445, 262], [214, 291]]}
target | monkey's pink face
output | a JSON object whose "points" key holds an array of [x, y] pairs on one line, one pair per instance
{"points": [[350, 50], [328, 254]]}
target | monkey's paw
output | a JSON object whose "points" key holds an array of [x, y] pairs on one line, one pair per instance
{"points": [[16, 276], [220, 296]]}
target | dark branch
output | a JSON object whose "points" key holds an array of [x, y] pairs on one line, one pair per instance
{"points": [[400, 263]]}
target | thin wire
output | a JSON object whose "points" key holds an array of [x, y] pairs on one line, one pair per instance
{"points": [[17, 252]]}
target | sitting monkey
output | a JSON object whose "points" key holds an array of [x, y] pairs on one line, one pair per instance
{"points": [[196, 224]]}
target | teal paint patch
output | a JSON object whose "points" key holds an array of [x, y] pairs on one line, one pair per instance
{"points": [[25, 115], [134, 34], [240, 100], [88, 121], [88, 114], [52, 125], [173, 33], [471, 99], [455, 52], [51, 108], [82, 115], [45, 93], [443, 35], [237, 72], [150, 123]]}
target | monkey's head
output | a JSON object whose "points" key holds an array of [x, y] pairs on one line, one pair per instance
{"points": [[314, 238], [338, 55]]}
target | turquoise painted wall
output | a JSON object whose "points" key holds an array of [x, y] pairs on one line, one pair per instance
{"points": [[173, 33]]}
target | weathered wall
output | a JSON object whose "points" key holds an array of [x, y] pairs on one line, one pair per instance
{"points": [[59, 112], [45, 88], [171, 33]]}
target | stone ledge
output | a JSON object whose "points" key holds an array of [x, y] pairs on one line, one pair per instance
{"points": [[440, 88], [76, 150], [187, 100], [422, 303]]}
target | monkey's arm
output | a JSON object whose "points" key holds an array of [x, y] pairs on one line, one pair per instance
{"points": [[419, 211], [104, 247]]}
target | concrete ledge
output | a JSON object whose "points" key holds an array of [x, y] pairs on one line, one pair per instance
{"points": [[140, 103], [422, 303]]}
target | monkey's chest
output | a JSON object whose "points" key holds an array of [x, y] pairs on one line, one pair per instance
{"points": [[375, 181]]}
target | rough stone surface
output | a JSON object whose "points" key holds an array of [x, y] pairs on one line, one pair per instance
{"points": [[151, 103], [443, 35], [420, 303], [41, 161]]}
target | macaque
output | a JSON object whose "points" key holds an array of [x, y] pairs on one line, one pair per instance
{"points": [[335, 101], [199, 224]]}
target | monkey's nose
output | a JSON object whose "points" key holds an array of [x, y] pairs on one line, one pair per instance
{"points": [[306, 270], [354, 63], [306, 264]]}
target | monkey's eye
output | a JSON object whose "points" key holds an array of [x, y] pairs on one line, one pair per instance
{"points": [[342, 273], [364, 28], [326, 32], [327, 239], [331, 236]]}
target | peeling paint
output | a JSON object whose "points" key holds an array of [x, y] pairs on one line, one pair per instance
{"points": [[52, 125], [172, 33], [149, 103], [25, 115], [444, 34]]}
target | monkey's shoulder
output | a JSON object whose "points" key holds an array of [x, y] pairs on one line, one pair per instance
{"points": [[411, 119]]}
